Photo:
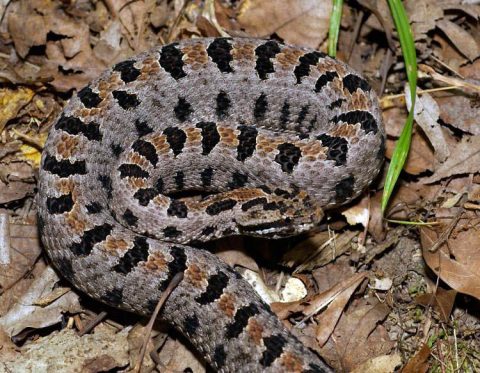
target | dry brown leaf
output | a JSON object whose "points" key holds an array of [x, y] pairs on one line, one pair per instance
{"points": [[26, 35], [299, 22], [336, 298], [16, 181], [471, 71], [411, 196], [232, 251], [464, 159], [159, 15], [419, 159], [10, 147], [17, 171], [14, 191], [132, 15], [176, 357], [358, 336], [326, 278], [14, 280], [376, 225], [394, 118], [423, 16], [474, 193], [341, 294], [456, 263], [208, 18], [380, 364], [11, 101], [318, 250], [57, 46], [460, 38], [108, 46], [330, 275], [426, 115], [460, 111], [6, 345], [446, 52], [70, 60], [22, 250], [470, 8], [381, 18], [305, 249], [225, 16], [136, 339], [24, 314], [442, 302], [419, 362]]}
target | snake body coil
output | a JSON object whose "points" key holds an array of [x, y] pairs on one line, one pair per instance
{"points": [[268, 136]]}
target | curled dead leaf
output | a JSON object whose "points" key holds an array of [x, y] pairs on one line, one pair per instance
{"points": [[419, 362], [460, 38], [299, 22], [426, 114], [457, 262], [359, 335], [11, 101], [464, 159]]}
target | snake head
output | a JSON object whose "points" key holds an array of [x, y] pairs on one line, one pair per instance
{"points": [[279, 214]]}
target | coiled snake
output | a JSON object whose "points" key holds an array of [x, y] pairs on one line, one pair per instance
{"points": [[190, 142]]}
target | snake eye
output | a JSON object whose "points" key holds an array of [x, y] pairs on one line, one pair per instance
{"points": [[288, 220]]}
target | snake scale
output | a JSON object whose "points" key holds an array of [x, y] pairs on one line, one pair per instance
{"points": [[194, 141]]}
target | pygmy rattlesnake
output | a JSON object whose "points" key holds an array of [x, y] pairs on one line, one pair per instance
{"points": [[268, 135]]}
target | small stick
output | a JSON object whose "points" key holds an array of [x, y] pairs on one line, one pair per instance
{"points": [[171, 286], [92, 323]]}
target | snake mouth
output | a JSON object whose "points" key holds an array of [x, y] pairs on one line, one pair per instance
{"points": [[268, 226], [277, 228]]}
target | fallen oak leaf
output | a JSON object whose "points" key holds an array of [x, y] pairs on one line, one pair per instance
{"points": [[419, 159], [380, 364], [11, 102], [328, 319], [442, 301], [457, 261], [426, 114], [419, 362], [463, 159], [359, 335], [299, 22], [335, 299], [460, 38], [25, 314]]}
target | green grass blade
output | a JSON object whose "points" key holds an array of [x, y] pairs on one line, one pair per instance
{"points": [[410, 57], [414, 223], [334, 29]]}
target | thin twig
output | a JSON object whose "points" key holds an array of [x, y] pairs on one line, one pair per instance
{"points": [[28, 139], [451, 69], [446, 234], [111, 8], [386, 65], [92, 323], [419, 92], [356, 32], [171, 286]]}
